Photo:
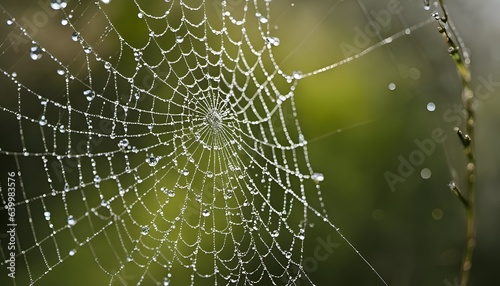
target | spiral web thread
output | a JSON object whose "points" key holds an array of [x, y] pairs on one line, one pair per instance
{"points": [[170, 147]]}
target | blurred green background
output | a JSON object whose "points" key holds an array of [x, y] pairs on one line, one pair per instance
{"points": [[360, 118]]}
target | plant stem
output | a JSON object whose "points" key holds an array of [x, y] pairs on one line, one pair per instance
{"points": [[462, 61], [470, 239]]}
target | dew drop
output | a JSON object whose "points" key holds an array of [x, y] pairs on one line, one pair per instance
{"points": [[297, 74], [317, 177], [205, 212], [288, 254], [42, 121], [273, 41], [261, 18], [210, 174], [168, 192], [10, 21], [145, 230], [179, 39], [89, 94], [75, 36], [71, 220], [275, 233], [87, 50], [431, 106], [452, 185], [166, 281], [64, 21], [302, 139], [426, 5], [60, 72], [425, 173], [46, 215], [184, 172], [36, 53], [152, 160], [391, 86], [123, 143], [97, 179], [72, 252], [140, 15], [58, 4], [106, 1]]}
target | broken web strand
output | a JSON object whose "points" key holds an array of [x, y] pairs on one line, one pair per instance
{"points": [[255, 154]]}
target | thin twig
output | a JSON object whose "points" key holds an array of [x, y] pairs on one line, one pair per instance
{"points": [[462, 62]]}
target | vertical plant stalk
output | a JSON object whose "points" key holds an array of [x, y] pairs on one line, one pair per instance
{"points": [[462, 61]]}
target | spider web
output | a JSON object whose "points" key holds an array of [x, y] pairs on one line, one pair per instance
{"points": [[171, 147]]}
